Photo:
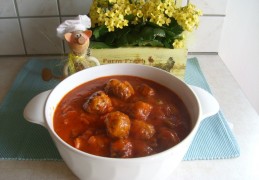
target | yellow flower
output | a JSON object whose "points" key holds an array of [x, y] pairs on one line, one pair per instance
{"points": [[116, 6], [170, 11], [121, 17], [121, 24], [135, 21], [112, 14], [168, 21], [160, 6], [112, 1], [177, 44], [99, 10], [142, 2], [125, 23], [139, 13], [101, 18], [199, 12], [161, 19], [188, 17], [128, 10], [110, 28]]}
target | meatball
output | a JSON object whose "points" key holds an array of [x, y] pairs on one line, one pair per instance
{"points": [[98, 103], [165, 111], [121, 148], [95, 144], [142, 130], [167, 138], [111, 84], [117, 124], [140, 110], [146, 90], [122, 90], [141, 148]]}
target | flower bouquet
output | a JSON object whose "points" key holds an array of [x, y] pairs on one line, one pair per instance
{"points": [[151, 32], [156, 23]]}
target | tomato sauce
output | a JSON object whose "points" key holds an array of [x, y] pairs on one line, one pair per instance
{"points": [[121, 117]]}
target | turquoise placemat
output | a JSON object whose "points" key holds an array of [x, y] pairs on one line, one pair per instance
{"points": [[214, 139], [21, 140]]}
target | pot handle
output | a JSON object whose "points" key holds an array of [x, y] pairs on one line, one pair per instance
{"points": [[34, 110], [209, 105]]}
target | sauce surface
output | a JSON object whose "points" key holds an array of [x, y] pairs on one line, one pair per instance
{"points": [[121, 117]]}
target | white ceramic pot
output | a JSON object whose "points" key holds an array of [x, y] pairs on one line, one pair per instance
{"points": [[199, 103]]}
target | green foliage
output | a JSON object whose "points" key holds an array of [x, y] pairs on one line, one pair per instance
{"points": [[148, 34]]}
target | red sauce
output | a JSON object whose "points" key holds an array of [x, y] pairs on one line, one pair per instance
{"points": [[114, 118]]}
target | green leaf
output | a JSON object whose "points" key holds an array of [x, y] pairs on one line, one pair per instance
{"points": [[110, 38], [133, 39], [147, 33], [99, 31], [123, 41], [175, 27], [167, 43], [169, 35], [154, 25], [121, 32], [154, 43], [129, 17], [173, 23], [159, 32]]}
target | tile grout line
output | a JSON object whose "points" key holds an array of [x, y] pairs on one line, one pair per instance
{"points": [[20, 25], [46, 55], [60, 16], [44, 16], [59, 13]]}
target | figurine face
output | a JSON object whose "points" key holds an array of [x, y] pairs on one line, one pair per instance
{"points": [[78, 41]]}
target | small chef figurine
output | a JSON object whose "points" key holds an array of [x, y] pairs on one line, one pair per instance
{"points": [[76, 34]]}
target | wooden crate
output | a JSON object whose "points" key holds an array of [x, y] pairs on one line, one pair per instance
{"points": [[171, 60]]}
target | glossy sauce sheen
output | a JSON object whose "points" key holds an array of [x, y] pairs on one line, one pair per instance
{"points": [[163, 124]]}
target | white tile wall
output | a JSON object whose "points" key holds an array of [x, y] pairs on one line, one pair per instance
{"points": [[40, 35], [207, 37], [37, 7], [33, 25], [74, 7], [7, 8], [10, 37], [211, 7], [181, 2]]}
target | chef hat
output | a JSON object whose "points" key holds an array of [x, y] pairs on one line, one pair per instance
{"points": [[80, 23]]}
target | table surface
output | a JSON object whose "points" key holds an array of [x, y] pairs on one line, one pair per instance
{"points": [[233, 104]]}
